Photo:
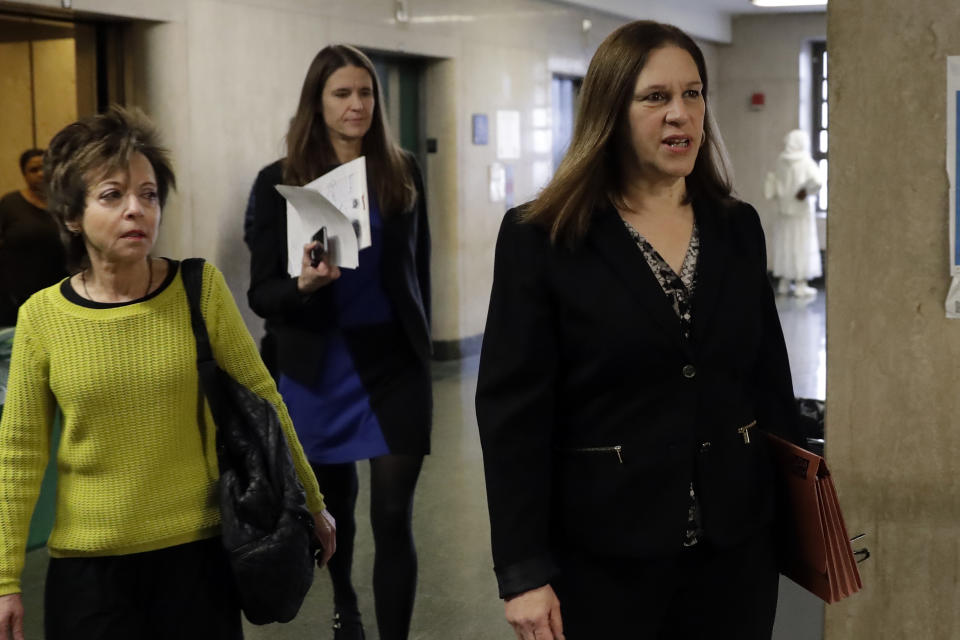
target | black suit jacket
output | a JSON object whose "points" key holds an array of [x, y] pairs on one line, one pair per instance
{"points": [[301, 324], [595, 415]]}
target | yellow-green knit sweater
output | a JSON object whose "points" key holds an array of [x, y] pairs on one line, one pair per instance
{"points": [[133, 472]]}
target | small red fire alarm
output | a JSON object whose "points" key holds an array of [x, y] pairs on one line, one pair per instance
{"points": [[757, 101]]}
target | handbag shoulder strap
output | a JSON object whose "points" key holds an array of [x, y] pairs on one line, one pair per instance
{"points": [[191, 270]]}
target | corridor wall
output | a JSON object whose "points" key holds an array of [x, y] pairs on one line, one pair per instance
{"points": [[222, 77]]}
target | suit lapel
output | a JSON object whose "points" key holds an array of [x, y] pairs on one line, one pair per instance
{"points": [[611, 241], [711, 266]]}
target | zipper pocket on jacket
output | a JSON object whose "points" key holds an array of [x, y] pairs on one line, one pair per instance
{"points": [[617, 449], [744, 431]]}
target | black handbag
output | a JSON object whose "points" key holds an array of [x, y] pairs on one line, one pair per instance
{"points": [[267, 530]]}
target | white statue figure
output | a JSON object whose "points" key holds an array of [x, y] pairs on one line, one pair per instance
{"points": [[796, 250]]}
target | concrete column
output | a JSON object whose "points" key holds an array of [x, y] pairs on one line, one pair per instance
{"points": [[893, 389]]}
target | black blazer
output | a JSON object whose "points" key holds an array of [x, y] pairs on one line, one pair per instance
{"points": [[301, 324], [595, 415]]}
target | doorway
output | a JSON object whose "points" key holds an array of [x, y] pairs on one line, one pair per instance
{"points": [[52, 72], [401, 80], [565, 100]]}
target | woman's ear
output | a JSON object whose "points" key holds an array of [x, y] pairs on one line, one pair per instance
{"points": [[73, 227]]}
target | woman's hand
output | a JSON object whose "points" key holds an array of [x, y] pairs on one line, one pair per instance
{"points": [[312, 278], [535, 614], [325, 530], [11, 617]]}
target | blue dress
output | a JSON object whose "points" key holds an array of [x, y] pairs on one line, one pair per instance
{"points": [[356, 408]]}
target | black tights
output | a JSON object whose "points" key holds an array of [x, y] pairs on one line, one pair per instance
{"points": [[393, 479]]}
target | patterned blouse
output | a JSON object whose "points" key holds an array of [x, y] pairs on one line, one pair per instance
{"points": [[680, 291]]}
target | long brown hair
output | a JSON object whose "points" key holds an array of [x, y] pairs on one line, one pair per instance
{"points": [[590, 171], [310, 153]]}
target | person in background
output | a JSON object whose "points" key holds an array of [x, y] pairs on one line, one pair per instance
{"points": [[32, 255], [796, 249], [352, 345], [135, 547], [631, 358]]}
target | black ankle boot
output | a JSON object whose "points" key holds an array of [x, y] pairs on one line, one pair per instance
{"points": [[347, 627]]}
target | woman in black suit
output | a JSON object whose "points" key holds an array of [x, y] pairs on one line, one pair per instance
{"points": [[351, 348], [632, 354]]}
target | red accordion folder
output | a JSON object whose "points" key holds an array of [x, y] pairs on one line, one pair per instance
{"points": [[816, 548]]}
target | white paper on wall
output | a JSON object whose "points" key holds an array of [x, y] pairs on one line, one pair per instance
{"points": [[508, 135], [953, 172], [498, 182]]}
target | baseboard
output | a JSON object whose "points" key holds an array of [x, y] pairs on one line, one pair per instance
{"points": [[457, 349]]}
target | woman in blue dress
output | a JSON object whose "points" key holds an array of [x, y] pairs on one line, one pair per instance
{"points": [[351, 348]]}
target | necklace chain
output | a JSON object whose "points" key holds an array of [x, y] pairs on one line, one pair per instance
{"points": [[83, 279]]}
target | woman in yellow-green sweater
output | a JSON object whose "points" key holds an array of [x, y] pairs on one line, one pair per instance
{"points": [[135, 547]]}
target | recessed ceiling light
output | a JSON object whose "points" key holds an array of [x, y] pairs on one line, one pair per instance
{"points": [[789, 3]]}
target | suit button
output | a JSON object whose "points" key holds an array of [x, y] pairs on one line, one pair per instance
{"points": [[689, 371], [704, 447]]}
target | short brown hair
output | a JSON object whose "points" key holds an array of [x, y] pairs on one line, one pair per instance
{"points": [[310, 153], [88, 149], [590, 171]]}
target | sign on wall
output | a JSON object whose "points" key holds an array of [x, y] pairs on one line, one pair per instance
{"points": [[508, 135], [953, 171]]}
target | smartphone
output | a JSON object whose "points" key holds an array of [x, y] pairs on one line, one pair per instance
{"points": [[319, 251]]}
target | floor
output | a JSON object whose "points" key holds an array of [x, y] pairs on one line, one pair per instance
{"points": [[457, 594]]}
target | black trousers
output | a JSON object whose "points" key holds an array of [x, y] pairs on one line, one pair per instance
{"points": [[699, 593], [184, 592]]}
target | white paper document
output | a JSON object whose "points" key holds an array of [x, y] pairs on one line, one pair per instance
{"points": [[307, 211], [336, 200]]}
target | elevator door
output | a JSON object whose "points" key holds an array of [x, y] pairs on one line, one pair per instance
{"points": [[401, 80], [52, 72]]}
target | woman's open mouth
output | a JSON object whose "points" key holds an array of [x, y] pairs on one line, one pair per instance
{"points": [[677, 143]]}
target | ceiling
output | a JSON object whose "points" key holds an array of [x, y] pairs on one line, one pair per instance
{"points": [[737, 7], [708, 19]]}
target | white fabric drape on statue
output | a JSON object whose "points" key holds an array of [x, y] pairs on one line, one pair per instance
{"points": [[796, 250]]}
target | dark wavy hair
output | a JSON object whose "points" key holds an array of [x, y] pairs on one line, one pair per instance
{"points": [[84, 152], [310, 153], [590, 172]]}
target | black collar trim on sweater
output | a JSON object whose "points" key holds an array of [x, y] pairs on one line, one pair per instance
{"points": [[70, 294]]}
